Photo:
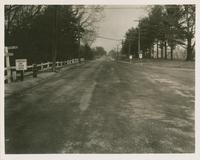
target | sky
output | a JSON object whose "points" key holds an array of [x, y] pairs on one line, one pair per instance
{"points": [[116, 22]]}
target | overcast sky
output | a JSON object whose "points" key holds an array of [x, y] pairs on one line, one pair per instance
{"points": [[117, 20]]}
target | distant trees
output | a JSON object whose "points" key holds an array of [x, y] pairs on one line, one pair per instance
{"points": [[90, 53], [99, 51], [114, 54], [46, 32], [86, 52], [131, 38], [166, 27]]}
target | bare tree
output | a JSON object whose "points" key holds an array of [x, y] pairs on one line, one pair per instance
{"points": [[15, 16], [89, 16]]}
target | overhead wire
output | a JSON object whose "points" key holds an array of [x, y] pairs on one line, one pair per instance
{"points": [[113, 39], [108, 38]]}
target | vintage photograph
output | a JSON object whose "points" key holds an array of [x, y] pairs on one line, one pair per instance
{"points": [[99, 79]]}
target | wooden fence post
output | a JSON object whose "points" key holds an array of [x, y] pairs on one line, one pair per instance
{"points": [[14, 75], [48, 66], [42, 67]]}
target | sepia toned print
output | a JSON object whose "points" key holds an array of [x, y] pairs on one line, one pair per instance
{"points": [[99, 79]]}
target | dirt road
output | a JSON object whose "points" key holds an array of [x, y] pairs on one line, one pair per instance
{"points": [[104, 107]]}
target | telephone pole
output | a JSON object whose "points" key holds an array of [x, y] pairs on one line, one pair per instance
{"points": [[79, 42], [138, 36], [117, 53], [55, 38], [129, 47]]}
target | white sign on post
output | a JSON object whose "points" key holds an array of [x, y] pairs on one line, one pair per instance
{"points": [[140, 56], [21, 64], [130, 57]]}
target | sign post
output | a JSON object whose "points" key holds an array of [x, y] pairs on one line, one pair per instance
{"points": [[21, 65], [140, 55], [130, 58], [7, 55]]}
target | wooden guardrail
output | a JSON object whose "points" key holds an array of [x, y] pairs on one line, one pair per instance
{"points": [[40, 67]]}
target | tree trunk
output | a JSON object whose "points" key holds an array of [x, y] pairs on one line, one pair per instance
{"points": [[189, 50], [161, 47], [150, 52], [7, 30], [157, 49], [165, 50], [189, 36], [153, 51], [171, 53]]}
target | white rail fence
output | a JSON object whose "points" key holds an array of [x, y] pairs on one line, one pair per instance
{"points": [[40, 68]]}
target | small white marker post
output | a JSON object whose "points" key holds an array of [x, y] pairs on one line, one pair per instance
{"points": [[140, 55], [7, 55], [130, 58]]}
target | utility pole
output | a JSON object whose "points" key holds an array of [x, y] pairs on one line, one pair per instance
{"points": [[79, 42], [139, 38], [122, 43], [122, 47], [55, 39], [129, 47], [117, 53]]}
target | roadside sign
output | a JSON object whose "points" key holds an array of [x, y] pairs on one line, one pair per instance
{"points": [[21, 64], [130, 57], [140, 55]]}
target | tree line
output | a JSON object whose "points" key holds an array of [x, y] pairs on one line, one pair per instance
{"points": [[162, 30], [51, 32]]}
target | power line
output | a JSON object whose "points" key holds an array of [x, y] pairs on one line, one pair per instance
{"points": [[113, 39], [109, 38]]}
